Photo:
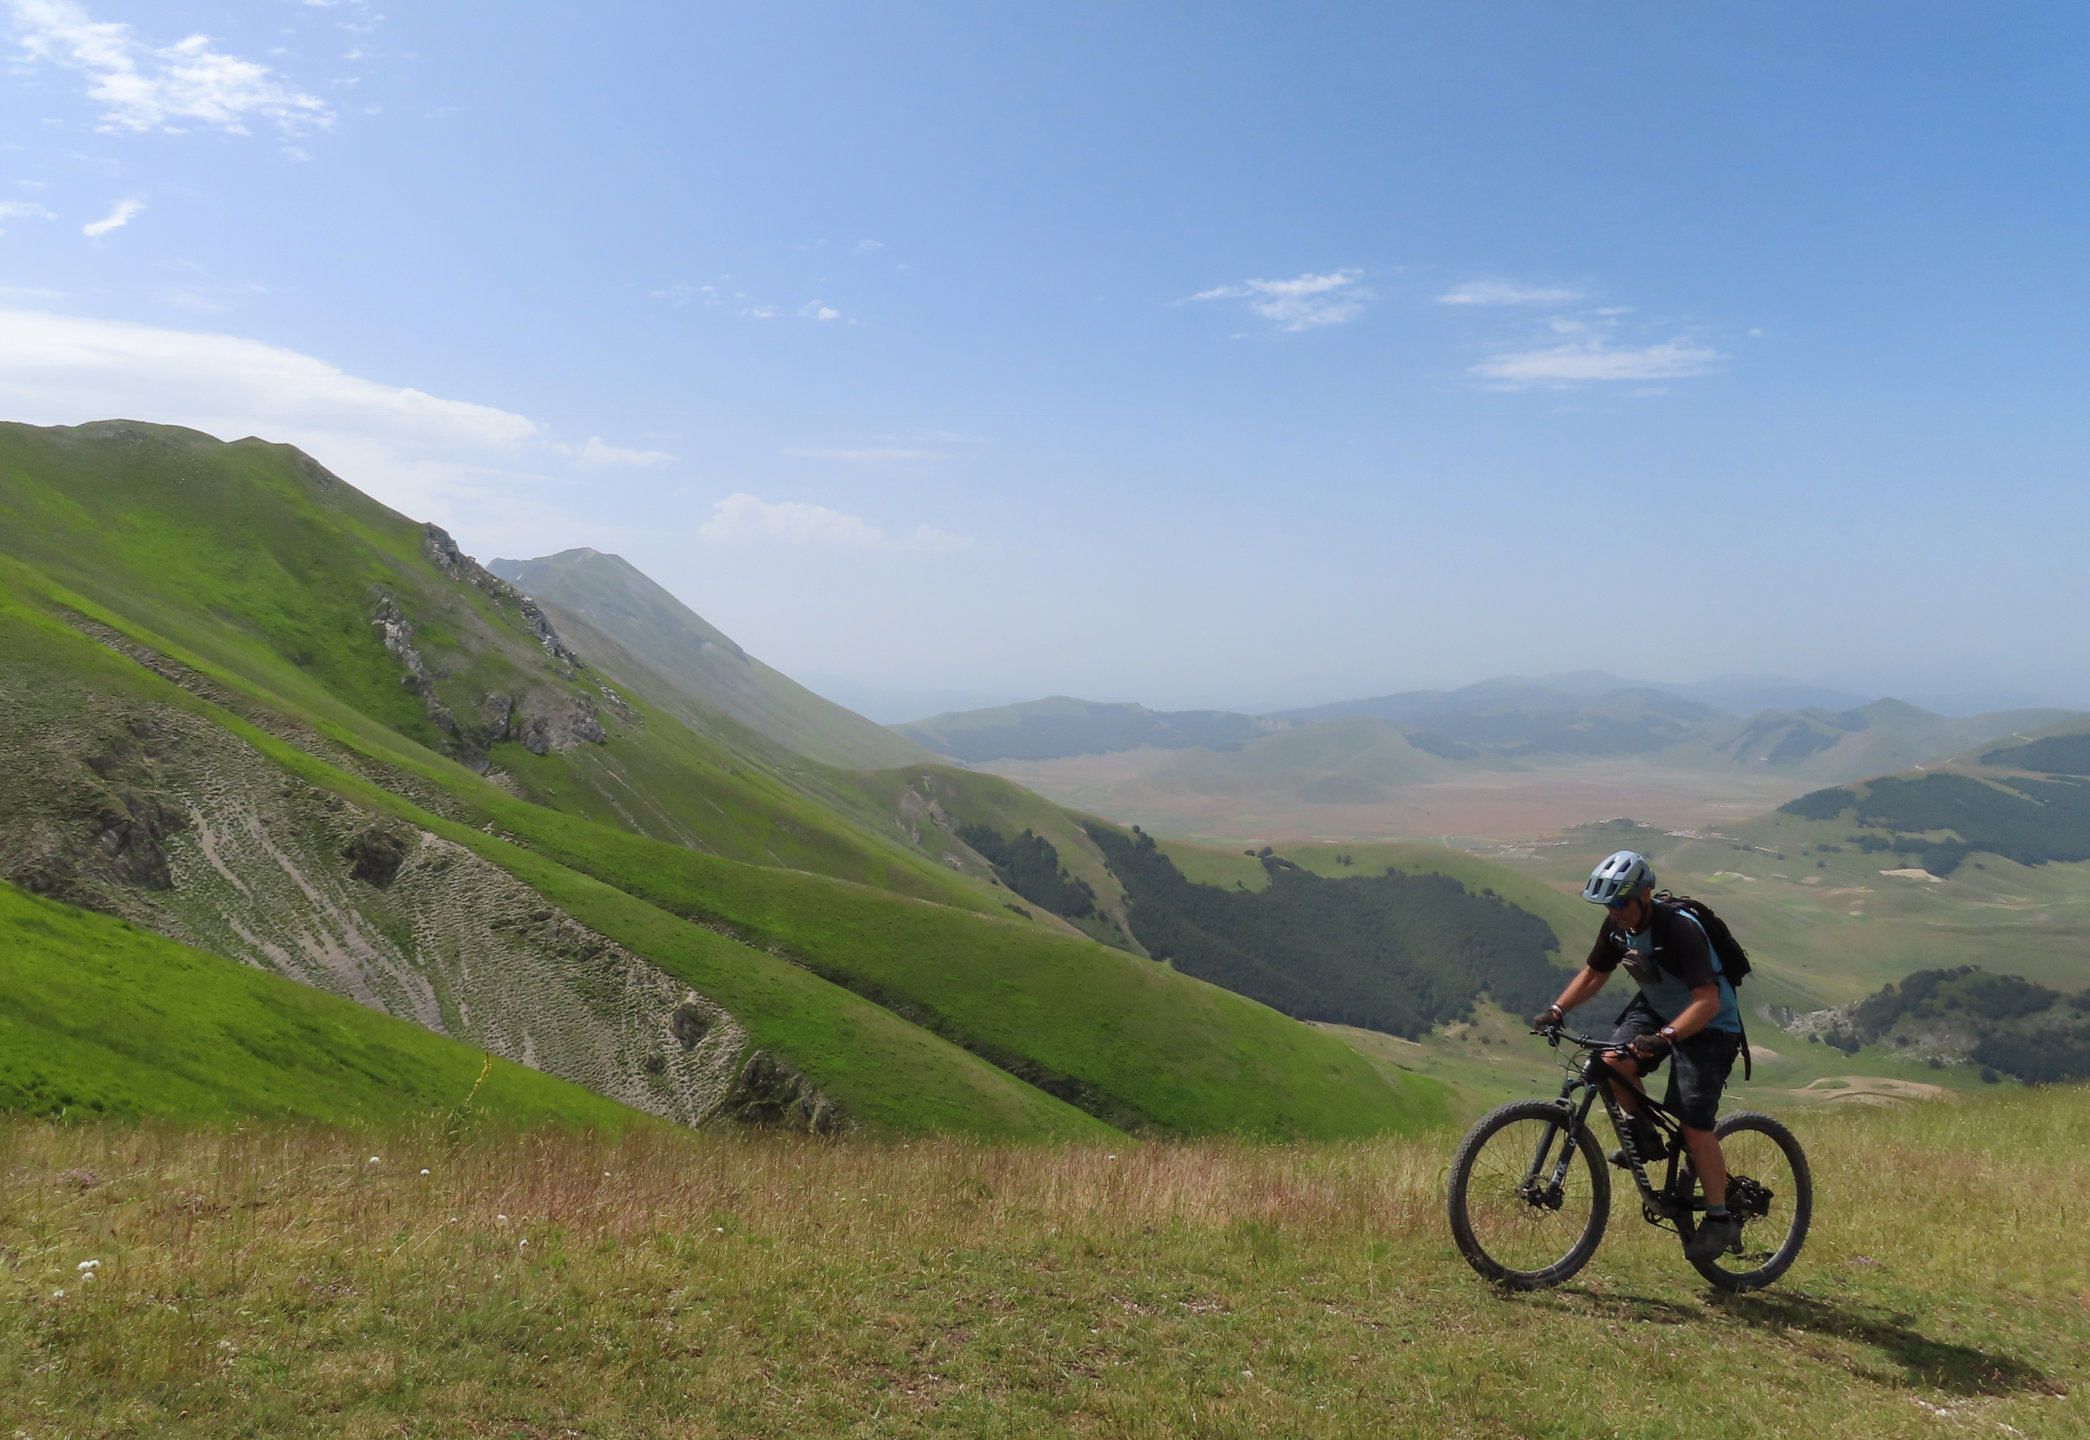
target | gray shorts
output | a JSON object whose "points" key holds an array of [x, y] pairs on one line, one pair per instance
{"points": [[1703, 1062]]}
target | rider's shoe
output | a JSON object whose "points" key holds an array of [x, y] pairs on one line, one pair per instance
{"points": [[1717, 1234]]}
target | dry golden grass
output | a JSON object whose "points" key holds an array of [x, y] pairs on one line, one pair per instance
{"points": [[281, 1283]]}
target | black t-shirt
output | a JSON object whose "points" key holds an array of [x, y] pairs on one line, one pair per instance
{"points": [[1680, 947]]}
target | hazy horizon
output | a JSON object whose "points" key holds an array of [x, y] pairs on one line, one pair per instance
{"points": [[899, 706], [1246, 359]]}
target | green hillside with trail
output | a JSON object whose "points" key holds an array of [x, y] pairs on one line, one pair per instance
{"points": [[261, 715], [101, 1020]]}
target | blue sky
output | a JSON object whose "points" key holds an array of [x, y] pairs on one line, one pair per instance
{"points": [[1244, 355]]}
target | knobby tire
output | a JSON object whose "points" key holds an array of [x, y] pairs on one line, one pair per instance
{"points": [[1763, 1150], [1508, 1238]]}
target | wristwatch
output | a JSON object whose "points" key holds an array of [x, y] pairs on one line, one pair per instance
{"points": [[1668, 1032]]}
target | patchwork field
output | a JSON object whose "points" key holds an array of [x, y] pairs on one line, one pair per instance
{"points": [[288, 1283], [1483, 807]]}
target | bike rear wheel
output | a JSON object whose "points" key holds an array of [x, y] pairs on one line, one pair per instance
{"points": [[1529, 1195], [1771, 1190]]}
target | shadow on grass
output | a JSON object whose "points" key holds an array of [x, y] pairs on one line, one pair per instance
{"points": [[1938, 1364]]}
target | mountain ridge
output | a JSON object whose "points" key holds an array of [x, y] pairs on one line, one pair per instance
{"points": [[592, 594], [225, 676], [1506, 721]]}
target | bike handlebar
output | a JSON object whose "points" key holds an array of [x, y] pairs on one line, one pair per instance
{"points": [[1554, 1034]]}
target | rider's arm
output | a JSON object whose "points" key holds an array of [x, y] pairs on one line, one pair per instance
{"points": [[1586, 984], [1694, 1017]]}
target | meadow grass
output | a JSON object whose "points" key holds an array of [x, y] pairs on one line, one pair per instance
{"points": [[283, 1282]]}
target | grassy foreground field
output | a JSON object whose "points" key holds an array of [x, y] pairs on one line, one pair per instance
{"points": [[284, 1282]]}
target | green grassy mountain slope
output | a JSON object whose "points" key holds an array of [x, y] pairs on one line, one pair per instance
{"points": [[99, 1018], [1872, 739], [135, 796], [1384, 950], [937, 804], [602, 905], [316, 599], [1571, 920], [596, 598]]}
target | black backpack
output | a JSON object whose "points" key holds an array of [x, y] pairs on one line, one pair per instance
{"points": [[1734, 960]]}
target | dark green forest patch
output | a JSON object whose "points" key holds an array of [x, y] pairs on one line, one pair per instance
{"points": [[1821, 804], [2055, 755], [2022, 819], [2031, 822], [2004, 1022], [1030, 865], [1392, 952]]}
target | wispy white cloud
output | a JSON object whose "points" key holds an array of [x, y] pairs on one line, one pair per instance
{"points": [[872, 456], [24, 210], [1590, 360], [1507, 292], [166, 88], [61, 369], [115, 220], [682, 293], [447, 460], [742, 518], [1301, 303], [596, 452]]}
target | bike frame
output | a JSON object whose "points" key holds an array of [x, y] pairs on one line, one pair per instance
{"points": [[1674, 1203]]}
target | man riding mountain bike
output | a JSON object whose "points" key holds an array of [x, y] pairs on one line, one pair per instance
{"points": [[1685, 1012]]}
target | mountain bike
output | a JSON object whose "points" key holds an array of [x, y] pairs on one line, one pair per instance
{"points": [[1526, 1216]]}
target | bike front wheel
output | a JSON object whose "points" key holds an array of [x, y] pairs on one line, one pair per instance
{"points": [[1529, 1195], [1771, 1190]]}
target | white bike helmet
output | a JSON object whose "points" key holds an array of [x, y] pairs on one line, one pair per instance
{"points": [[1619, 878]]}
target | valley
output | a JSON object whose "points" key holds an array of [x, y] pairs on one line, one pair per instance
{"points": [[1479, 808]]}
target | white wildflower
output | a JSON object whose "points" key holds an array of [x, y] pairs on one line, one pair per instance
{"points": [[90, 1265]]}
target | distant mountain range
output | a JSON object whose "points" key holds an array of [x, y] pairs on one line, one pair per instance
{"points": [[1496, 724], [1059, 726]]}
